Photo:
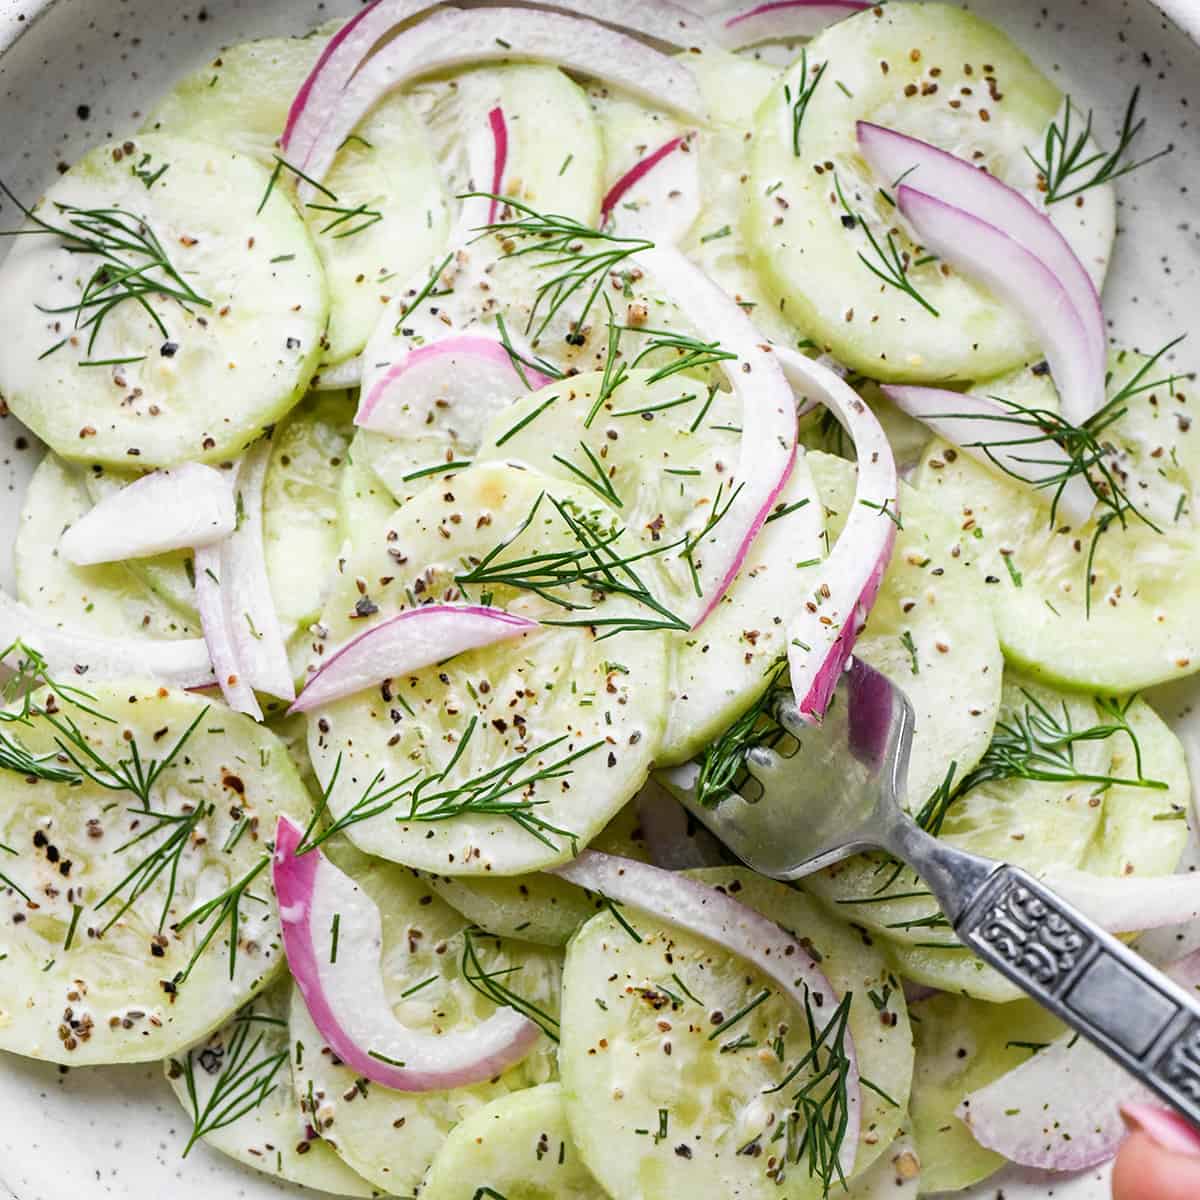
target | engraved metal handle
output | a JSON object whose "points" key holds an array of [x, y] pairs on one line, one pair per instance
{"points": [[1085, 976]]}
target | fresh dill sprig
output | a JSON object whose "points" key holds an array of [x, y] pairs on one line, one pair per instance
{"points": [[890, 263], [347, 216], [723, 765], [227, 909], [580, 257], [5, 881], [803, 97], [134, 266], [597, 479], [490, 984], [520, 362], [1089, 453], [591, 563], [1037, 742], [281, 165], [1068, 166], [377, 798], [246, 1080], [816, 1126]]}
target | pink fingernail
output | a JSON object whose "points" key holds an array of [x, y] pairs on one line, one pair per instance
{"points": [[1167, 1129]]}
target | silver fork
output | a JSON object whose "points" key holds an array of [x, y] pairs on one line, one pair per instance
{"points": [[856, 767]]}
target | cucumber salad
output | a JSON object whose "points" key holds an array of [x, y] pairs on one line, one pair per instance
{"points": [[458, 424]]}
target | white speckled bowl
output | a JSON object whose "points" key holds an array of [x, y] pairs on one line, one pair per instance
{"points": [[74, 72]]}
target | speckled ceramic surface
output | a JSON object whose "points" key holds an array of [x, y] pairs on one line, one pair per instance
{"points": [[74, 72]]}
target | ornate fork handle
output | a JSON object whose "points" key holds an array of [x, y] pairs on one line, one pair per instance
{"points": [[1092, 981]]}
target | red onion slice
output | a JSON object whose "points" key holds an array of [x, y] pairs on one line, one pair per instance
{"points": [[768, 447], [499, 128], [668, 200], [953, 180], [675, 841], [1130, 903], [1060, 1111], [471, 373], [453, 38], [257, 636], [187, 506], [822, 635], [77, 656], [980, 426], [345, 998], [781, 20], [715, 916], [415, 638], [986, 253], [212, 600]]}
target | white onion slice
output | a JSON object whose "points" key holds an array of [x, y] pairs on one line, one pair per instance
{"points": [[955, 181], [77, 656], [1060, 1111], [456, 38], [768, 446], [472, 374], [979, 426], [781, 20], [985, 253], [821, 636], [212, 600], [345, 998], [341, 377], [187, 506], [415, 638], [715, 916], [258, 639], [1129, 903], [667, 200], [661, 20]]}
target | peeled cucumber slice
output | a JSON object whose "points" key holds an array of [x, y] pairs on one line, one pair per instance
{"points": [[518, 1147], [272, 1136], [388, 1137], [1137, 630], [928, 632], [387, 170], [199, 382], [108, 599], [83, 982], [950, 970], [555, 699], [539, 908], [939, 74], [962, 1045], [664, 450], [643, 1078], [301, 538]]}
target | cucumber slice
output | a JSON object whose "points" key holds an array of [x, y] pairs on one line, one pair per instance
{"points": [[1145, 584], [895, 1175], [207, 379], [1033, 824], [388, 1137], [928, 632], [387, 169], [956, 971], [107, 599], [667, 477], [939, 74], [734, 89], [656, 1108], [364, 501], [539, 908], [78, 993], [1144, 832], [518, 1147], [556, 155], [271, 1136], [961, 1046], [300, 507], [601, 702]]}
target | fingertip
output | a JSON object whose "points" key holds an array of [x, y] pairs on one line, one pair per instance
{"points": [[1145, 1171]]}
